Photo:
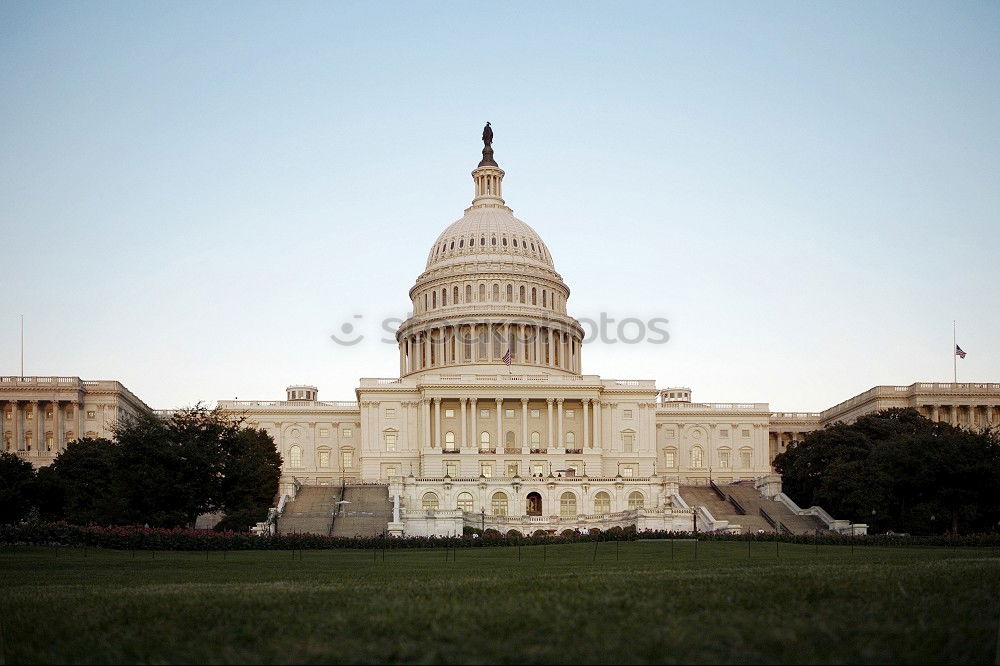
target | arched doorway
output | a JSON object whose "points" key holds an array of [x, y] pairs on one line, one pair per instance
{"points": [[534, 504]]}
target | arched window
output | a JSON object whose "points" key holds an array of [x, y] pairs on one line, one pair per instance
{"points": [[484, 440], [602, 503], [449, 440], [570, 440], [468, 293], [482, 292], [429, 501], [636, 500], [697, 457], [567, 505], [454, 296], [444, 297], [510, 293], [496, 293], [521, 292], [536, 440], [534, 295], [295, 456], [465, 502], [434, 299], [509, 439], [498, 504]]}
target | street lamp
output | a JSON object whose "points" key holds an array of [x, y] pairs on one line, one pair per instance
{"points": [[874, 523], [340, 507]]}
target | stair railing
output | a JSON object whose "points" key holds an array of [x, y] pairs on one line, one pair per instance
{"points": [[717, 489], [736, 504]]}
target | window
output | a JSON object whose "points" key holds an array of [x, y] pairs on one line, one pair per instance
{"points": [[346, 432], [602, 503], [534, 414], [535, 440], [571, 440], [324, 458], [69, 412], [628, 441], [391, 470], [390, 440], [295, 456], [510, 293], [449, 413], [697, 457], [628, 413], [724, 432], [347, 459], [570, 414], [484, 413], [390, 412], [670, 457], [323, 432], [451, 469], [671, 432], [509, 413], [449, 440], [91, 414], [576, 466], [512, 469], [537, 469], [636, 500], [498, 504], [746, 458], [486, 469], [724, 459], [628, 471], [50, 441], [465, 502], [745, 433], [522, 289], [567, 505], [484, 440], [429, 501]]}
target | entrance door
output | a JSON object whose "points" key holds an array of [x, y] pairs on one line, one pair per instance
{"points": [[534, 507]]}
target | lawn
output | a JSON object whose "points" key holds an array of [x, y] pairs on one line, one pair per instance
{"points": [[630, 602]]}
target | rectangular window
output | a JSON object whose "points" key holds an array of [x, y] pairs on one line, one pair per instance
{"points": [[724, 432], [324, 458], [746, 433], [534, 414], [486, 469], [346, 432], [449, 413], [671, 432], [537, 469], [90, 414], [670, 459], [628, 413], [512, 469], [323, 432], [391, 470], [509, 413], [484, 412], [390, 412], [390, 441], [576, 466], [745, 459], [724, 459], [451, 469], [628, 442], [347, 459], [628, 471]]}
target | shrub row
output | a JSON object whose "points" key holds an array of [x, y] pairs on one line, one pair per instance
{"points": [[147, 538]]}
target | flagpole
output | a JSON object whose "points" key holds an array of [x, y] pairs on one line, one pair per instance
{"points": [[954, 349], [22, 346]]}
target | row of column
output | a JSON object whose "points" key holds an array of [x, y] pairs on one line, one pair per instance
{"points": [[453, 344], [17, 435], [555, 412], [968, 416]]}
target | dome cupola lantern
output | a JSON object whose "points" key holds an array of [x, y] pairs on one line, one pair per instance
{"points": [[490, 287]]}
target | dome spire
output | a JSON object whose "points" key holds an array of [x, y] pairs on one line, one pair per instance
{"points": [[488, 175], [488, 147]]}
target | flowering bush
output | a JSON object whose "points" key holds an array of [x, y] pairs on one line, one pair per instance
{"points": [[151, 538]]}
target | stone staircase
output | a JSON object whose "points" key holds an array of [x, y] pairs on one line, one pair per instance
{"points": [[368, 513], [310, 512], [747, 498]]}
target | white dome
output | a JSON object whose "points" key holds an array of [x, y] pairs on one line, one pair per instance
{"points": [[493, 232]]}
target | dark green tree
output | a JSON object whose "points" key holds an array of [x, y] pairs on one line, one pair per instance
{"points": [[17, 487], [249, 482], [78, 486]]}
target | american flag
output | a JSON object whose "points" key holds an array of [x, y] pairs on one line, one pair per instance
{"points": [[507, 358], [958, 352]]}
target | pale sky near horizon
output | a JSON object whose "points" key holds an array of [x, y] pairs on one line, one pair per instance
{"points": [[194, 196]]}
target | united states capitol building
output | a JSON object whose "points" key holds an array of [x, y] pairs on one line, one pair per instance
{"points": [[492, 423]]}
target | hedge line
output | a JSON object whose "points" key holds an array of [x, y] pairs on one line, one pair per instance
{"points": [[144, 538]]}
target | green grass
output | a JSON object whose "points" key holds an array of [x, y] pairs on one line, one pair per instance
{"points": [[636, 602]]}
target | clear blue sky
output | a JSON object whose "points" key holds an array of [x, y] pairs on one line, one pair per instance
{"points": [[193, 196]]}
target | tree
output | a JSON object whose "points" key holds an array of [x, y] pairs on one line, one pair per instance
{"points": [[918, 475], [249, 481], [17, 487], [78, 486]]}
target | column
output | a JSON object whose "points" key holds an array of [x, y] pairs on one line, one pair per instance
{"points": [[3, 425], [585, 408], [499, 442], [465, 439], [17, 425], [552, 348], [437, 423], [39, 434], [475, 422], [538, 345], [402, 358], [559, 402], [524, 424], [598, 423], [953, 415], [548, 441], [934, 413], [425, 412]]}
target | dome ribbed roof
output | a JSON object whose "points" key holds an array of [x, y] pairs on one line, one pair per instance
{"points": [[492, 232]]}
